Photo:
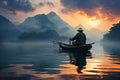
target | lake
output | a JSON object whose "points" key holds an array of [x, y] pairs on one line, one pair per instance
{"points": [[45, 61]]}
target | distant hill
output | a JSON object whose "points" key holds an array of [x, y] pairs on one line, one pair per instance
{"points": [[44, 22], [39, 27], [8, 30], [37, 23], [44, 27], [45, 35], [113, 34], [111, 40], [63, 27]]}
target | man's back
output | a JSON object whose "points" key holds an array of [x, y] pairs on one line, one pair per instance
{"points": [[80, 38]]}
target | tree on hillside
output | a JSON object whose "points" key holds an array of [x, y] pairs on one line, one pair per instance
{"points": [[113, 34], [46, 35]]}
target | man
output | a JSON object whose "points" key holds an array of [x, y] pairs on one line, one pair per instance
{"points": [[79, 38]]}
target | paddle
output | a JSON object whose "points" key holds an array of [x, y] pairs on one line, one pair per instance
{"points": [[56, 42], [92, 43], [70, 41]]}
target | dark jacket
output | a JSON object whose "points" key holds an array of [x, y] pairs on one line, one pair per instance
{"points": [[80, 38]]}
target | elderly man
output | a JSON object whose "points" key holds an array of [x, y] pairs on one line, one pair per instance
{"points": [[79, 38]]}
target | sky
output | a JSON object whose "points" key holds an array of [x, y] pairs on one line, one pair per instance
{"points": [[92, 14]]}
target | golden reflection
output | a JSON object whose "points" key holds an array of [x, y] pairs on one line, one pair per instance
{"points": [[96, 68], [101, 66], [70, 69]]}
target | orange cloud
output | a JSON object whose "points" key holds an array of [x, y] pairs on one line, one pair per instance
{"points": [[99, 14], [98, 21]]}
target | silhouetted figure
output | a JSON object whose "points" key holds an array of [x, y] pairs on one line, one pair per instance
{"points": [[79, 59], [79, 38]]}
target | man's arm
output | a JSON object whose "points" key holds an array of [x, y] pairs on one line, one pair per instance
{"points": [[75, 37]]}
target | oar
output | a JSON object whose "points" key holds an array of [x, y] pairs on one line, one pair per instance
{"points": [[92, 43], [70, 41], [56, 42]]}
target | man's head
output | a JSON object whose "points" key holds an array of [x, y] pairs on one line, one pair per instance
{"points": [[80, 30]]}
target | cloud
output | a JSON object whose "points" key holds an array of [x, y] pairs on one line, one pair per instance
{"points": [[16, 5], [92, 7], [41, 4], [48, 3]]}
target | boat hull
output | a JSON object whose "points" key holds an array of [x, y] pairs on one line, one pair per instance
{"points": [[68, 47]]}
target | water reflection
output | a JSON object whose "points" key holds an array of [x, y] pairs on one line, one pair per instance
{"points": [[79, 59], [42, 61], [115, 52]]}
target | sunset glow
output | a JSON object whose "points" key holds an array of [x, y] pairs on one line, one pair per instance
{"points": [[94, 23], [95, 18], [59, 39]]}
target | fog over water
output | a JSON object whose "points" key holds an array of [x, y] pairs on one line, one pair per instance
{"points": [[44, 60]]}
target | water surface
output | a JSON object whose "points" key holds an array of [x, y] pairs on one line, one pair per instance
{"points": [[44, 61]]}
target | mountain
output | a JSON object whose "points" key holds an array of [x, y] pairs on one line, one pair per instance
{"points": [[46, 35], [40, 26], [113, 34], [111, 40], [8, 30], [44, 27], [37, 23], [63, 27], [44, 22], [5, 24]]}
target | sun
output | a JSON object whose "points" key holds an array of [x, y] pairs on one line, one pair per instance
{"points": [[93, 22]]}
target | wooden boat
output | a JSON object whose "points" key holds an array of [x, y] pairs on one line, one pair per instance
{"points": [[69, 47]]}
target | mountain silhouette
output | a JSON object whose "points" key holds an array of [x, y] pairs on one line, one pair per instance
{"points": [[8, 30], [113, 34], [43, 22], [46, 35], [63, 27], [39, 27], [111, 40], [37, 23], [44, 27]]}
